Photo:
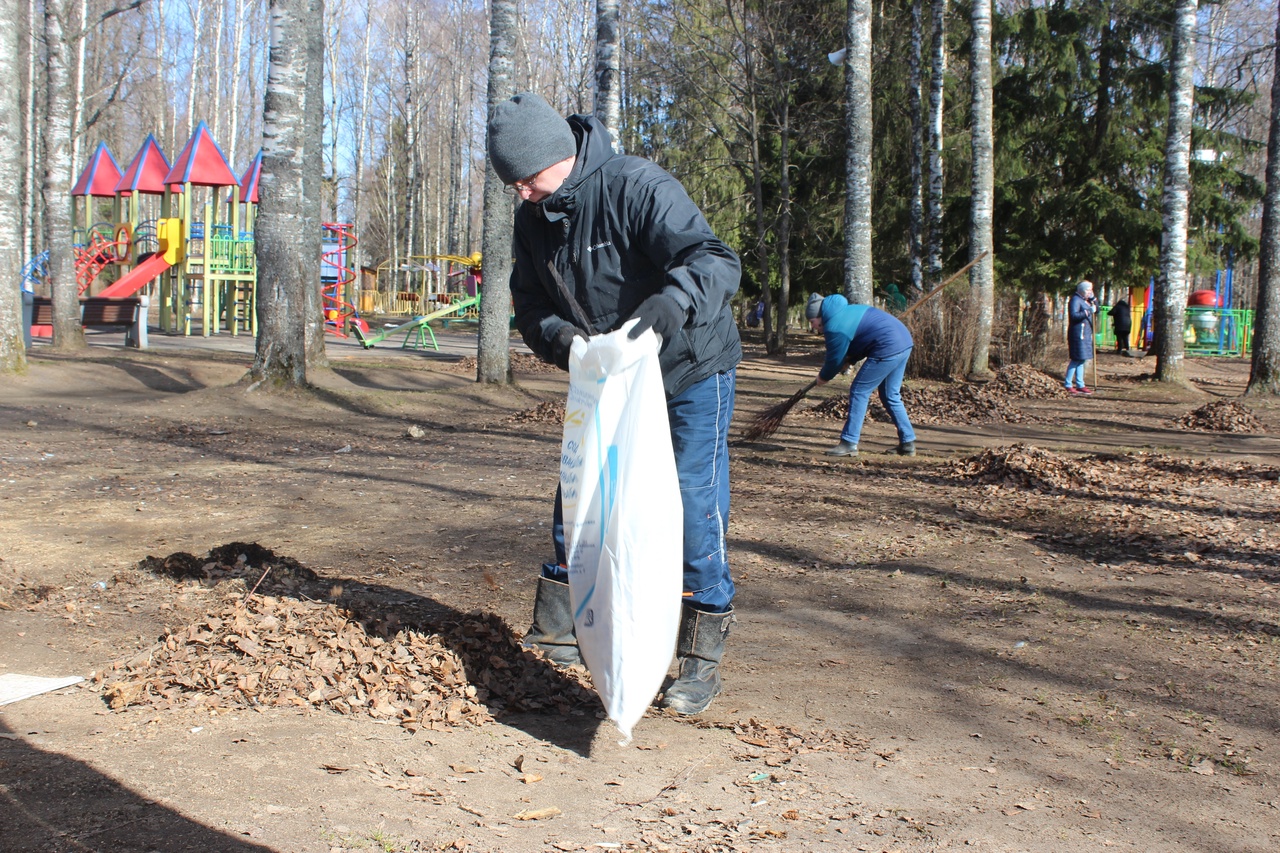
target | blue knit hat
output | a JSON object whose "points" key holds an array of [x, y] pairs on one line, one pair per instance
{"points": [[526, 135]]}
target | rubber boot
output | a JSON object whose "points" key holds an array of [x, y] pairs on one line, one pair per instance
{"points": [[699, 647], [552, 629]]}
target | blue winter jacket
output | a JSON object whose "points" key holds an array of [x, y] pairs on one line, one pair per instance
{"points": [[855, 332], [1079, 328]]}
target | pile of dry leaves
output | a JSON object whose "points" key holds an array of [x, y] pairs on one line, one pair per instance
{"points": [[1022, 381], [951, 404], [1026, 467], [550, 412], [520, 363], [1221, 416], [349, 648], [1021, 466]]}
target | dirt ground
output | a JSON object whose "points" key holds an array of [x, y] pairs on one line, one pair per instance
{"points": [[1056, 628]]}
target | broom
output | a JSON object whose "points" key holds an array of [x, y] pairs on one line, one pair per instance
{"points": [[767, 422]]}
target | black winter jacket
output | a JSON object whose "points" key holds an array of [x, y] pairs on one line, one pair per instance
{"points": [[619, 230]]}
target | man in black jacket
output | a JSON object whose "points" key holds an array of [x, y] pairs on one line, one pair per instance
{"points": [[600, 239]]}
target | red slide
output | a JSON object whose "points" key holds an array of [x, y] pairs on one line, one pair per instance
{"points": [[138, 278]]}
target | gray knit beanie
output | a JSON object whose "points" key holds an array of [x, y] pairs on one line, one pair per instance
{"points": [[526, 135], [813, 309]]}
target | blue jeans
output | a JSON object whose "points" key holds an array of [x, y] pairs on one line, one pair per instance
{"points": [[700, 439], [1075, 373], [886, 375]]}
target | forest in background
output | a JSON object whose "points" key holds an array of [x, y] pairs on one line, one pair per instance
{"points": [[741, 101]]}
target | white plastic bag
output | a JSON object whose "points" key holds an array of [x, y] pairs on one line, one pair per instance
{"points": [[623, 520]]}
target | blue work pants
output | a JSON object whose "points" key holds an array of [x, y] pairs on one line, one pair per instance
{"points": [[884, 374], [700, 439]]}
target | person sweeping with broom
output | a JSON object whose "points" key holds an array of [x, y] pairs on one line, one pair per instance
{"points": [[853, 333]]}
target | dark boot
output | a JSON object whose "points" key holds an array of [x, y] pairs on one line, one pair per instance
{"points": [[699, 647], [552, 629]]}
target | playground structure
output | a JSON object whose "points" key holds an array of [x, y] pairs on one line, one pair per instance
{"points": [[1210, 326], [417, 330], [337, 278], [420, 281], [179, 236], [209, 285], [165, 229], [449, 294]]}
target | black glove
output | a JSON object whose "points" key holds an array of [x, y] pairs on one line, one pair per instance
{"points": [[661, 313], [563, 343]]}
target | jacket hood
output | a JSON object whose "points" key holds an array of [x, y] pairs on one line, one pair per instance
{"points": [[832, 305], [595, 146]]}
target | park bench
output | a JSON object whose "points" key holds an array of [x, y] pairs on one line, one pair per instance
{"points": [[129, 313]]}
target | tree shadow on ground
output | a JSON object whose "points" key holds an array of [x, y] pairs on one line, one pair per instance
{"points": [[158, 379], [54, 803]]}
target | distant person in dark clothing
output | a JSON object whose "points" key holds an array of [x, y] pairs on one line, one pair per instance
{"points": [[1122, 320]]}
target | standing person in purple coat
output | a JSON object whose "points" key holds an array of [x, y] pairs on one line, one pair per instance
{"points": [[853, 333]]}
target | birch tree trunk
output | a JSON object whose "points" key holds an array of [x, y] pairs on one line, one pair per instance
{"points": [[493, 359], [286, 234], [1171, 293], [363, 132], [412, 238], [32, 141], [915, 106], [169, 109], [608, 107], [215, 114], [937, 102], [981, 238], [13, 353], [68, 334], [1264, 375], [774, 323], [77, 92], [237, 74], [784, 215], [313, 181], [197, 43], [857, 201]]}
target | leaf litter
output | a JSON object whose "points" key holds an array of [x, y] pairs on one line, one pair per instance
{"points": [[304, 641], [990, 402], [1220, 416]]}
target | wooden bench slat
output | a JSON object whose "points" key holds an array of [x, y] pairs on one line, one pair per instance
{"points": [[96, 312]]}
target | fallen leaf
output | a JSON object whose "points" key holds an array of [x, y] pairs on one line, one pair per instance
{"points": [[538, 814]]}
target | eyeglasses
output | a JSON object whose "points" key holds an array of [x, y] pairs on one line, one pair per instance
{"points": [[522, 185]]}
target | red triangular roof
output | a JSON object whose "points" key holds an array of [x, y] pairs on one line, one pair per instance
{"points": [[100, 177], [201, 163], [146, 173], [249, 182]]}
